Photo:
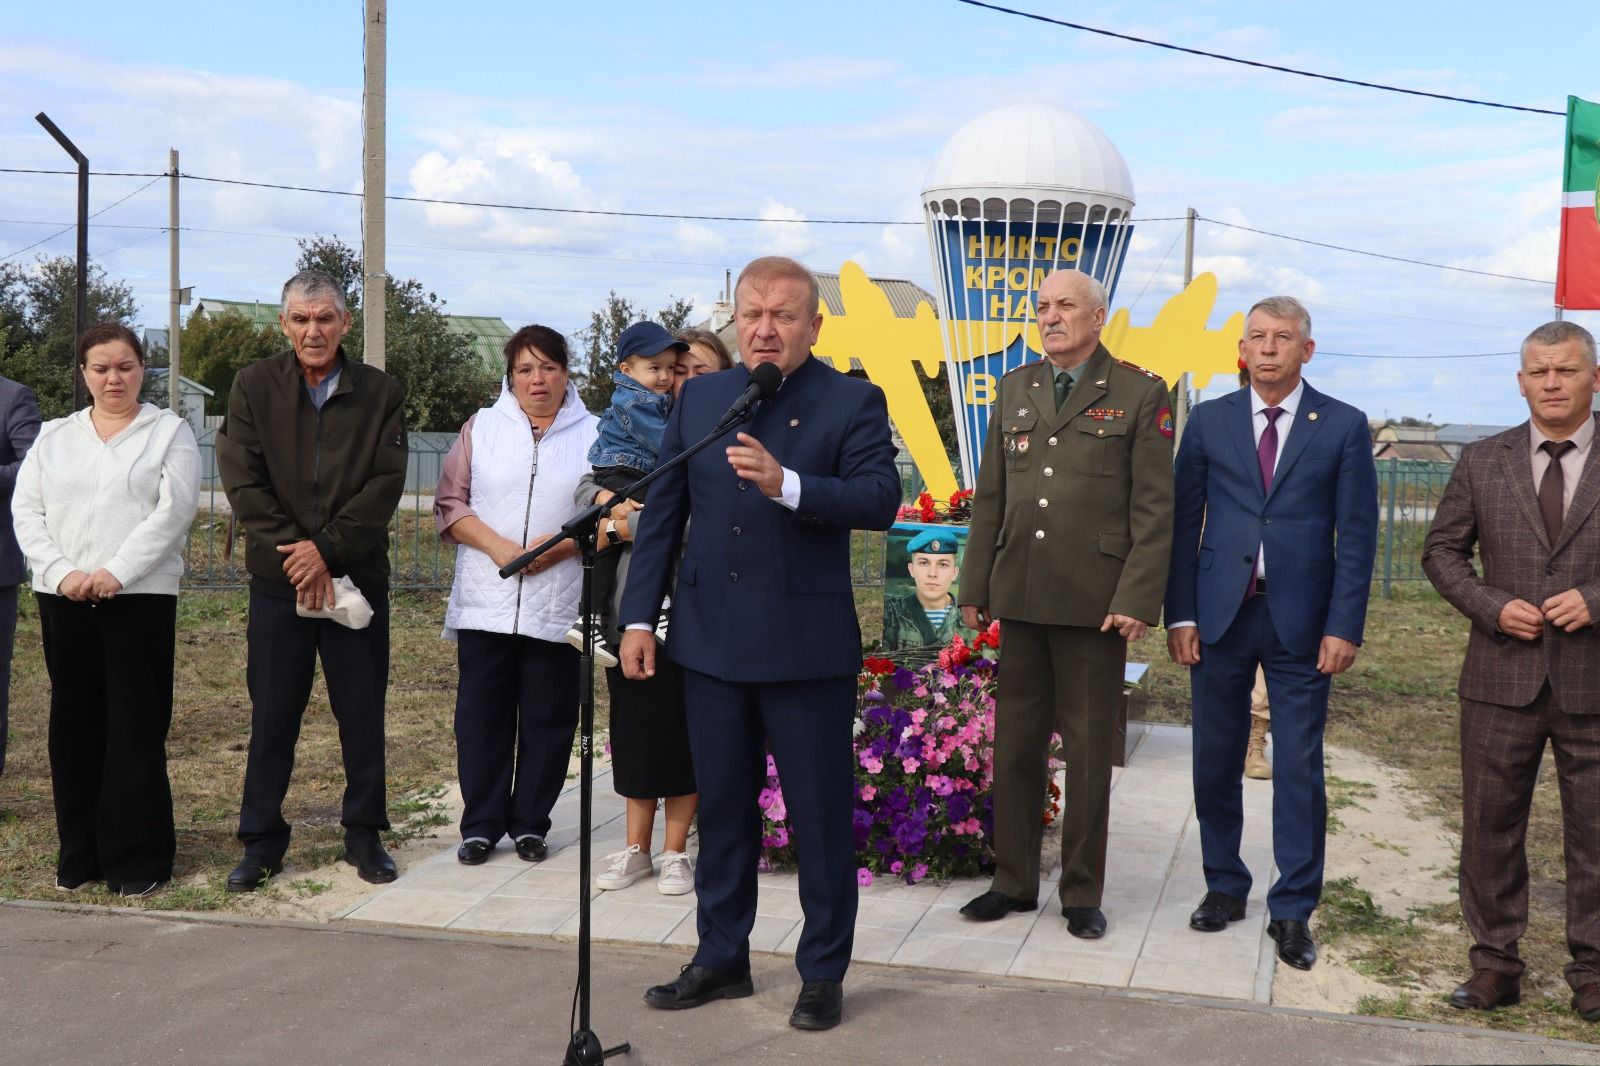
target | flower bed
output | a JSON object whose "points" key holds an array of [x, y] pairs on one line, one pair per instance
{"points": [[924, 749]]}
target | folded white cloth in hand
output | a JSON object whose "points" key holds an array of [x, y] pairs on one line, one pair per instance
{"points": [[348, 607]]}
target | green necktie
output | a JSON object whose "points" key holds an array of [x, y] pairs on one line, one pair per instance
{"points": [[1063, 386]]}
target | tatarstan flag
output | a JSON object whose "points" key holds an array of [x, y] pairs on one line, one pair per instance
{"points": [[1578, 266]]}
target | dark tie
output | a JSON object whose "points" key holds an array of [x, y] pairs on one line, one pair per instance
{"points": [[1063, 386], [1267, 450], [1553, 487], [1267, 457]]}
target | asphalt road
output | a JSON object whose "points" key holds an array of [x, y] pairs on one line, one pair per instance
{"points": [[91, 985]]}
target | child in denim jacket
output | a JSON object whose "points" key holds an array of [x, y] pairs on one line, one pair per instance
{"points": [[625, 450]]}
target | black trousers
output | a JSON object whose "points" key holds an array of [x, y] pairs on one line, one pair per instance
{"points": [[516, 713], [8, 635], [283, 649], [110, 670]]}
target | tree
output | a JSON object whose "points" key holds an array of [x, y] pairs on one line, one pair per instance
{"points": [[38, 323], [598, 358], [443, 380], [216, 347]]}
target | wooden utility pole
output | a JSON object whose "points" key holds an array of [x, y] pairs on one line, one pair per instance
{"points": [[175, 292], [374, 288]]}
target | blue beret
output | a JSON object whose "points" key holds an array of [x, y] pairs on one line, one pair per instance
{"points": [[936, 542]]}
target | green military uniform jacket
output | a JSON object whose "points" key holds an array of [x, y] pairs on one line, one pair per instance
{"points": [[906, 626], [1072, 518]]}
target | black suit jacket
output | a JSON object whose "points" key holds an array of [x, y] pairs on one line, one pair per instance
{"points": [[19, 425]]}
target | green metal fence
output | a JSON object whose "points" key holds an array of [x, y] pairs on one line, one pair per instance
{"points": [[417, 559], [1408, 493]]}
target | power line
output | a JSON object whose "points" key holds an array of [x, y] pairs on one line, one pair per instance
{"points": [[1257, 63], [1466, 355], [97, 214], [1375, 255], [712, 218], [92, 173]]}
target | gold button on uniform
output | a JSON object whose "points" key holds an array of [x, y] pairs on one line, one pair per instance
{"points": [[1044, 502], [1049, 472], [1099, 432], [1052, 442], [1038, 534]]}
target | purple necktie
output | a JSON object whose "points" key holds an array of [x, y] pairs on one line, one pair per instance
{"points": [[1267, 457], [1267, 450]]}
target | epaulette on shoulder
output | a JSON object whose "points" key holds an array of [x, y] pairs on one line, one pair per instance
{"points": [[1137, 367], [1031, 364]]}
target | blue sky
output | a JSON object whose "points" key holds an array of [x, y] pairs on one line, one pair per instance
{"points": [[831, 111]]}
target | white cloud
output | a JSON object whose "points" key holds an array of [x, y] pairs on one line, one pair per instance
{"points": [[785, 231], [695, 239]]}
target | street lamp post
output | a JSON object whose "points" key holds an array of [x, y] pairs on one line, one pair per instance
{"points": [[80, 322]]}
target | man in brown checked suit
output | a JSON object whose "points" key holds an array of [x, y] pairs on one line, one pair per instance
{"points": [[1527, 499], [1070, 539]]}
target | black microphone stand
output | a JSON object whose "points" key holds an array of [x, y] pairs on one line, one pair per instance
{"points": [[584, 1049]]}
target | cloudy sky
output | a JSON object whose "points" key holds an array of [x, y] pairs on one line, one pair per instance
{"points": [[830, 111]]}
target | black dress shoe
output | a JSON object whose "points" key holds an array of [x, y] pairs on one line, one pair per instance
{"points": [[695, 985], [474, 852], [1085, 923], [136, 889], [1216, 911], [820, 1006], [253, 872], [532, 848], [372, 863], [1295, 945], [992, 906]]}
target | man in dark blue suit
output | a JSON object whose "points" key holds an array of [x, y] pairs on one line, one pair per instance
{"points": [[1268, 479], [19, 425], [764, 624]]}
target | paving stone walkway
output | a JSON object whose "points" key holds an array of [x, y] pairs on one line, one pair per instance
{"points": [[1153, 881]]}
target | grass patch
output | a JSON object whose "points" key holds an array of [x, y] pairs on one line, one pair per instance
{"points": [[1398, 704], [207, 746]]}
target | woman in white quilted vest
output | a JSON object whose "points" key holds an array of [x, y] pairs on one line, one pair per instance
{"points": [[102, 506], [506, 486]]}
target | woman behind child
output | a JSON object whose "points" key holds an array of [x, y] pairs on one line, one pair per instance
{"points": [[650, 758], [625, 451]]}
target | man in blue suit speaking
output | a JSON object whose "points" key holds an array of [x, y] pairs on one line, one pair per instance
{"points": [[1268, 479], [764, 624]]}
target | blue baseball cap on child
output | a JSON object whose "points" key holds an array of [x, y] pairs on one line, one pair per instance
{"points": [[646, 338]]}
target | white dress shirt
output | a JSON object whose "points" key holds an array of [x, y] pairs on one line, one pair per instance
{"points": [[1258, 424]]}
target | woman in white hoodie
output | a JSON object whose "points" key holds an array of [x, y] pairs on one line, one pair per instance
{"points": [[102, 505], [506, 486]]}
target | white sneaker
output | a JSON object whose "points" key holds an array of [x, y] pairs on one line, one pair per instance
{"points": [[602, 654], [627, 866], [677, 874]]}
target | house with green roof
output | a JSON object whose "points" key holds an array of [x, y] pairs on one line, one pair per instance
{"points": [[488, 335]]}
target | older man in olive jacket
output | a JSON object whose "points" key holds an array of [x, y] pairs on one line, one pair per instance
{"points": [[1069, 544]]}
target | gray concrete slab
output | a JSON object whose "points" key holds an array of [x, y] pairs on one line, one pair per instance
{"points": [[94, 985]]}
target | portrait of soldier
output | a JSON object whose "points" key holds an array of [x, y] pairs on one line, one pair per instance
{"points": [[925, 617]]}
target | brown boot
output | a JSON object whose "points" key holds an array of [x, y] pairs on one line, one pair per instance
{"points": [[1255, 756]]}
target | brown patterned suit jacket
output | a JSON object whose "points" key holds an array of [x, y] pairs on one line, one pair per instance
{"points": [[1491, 503]]}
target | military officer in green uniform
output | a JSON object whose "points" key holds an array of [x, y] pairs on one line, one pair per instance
{"points": [[924, 618], [1069, 544]]}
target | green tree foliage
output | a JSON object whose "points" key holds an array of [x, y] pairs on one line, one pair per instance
{"points": [[216, 347], [444, 381], [595, 361], [38, 310]]}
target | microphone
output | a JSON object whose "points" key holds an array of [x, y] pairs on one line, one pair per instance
{"points": [[764, 381]]}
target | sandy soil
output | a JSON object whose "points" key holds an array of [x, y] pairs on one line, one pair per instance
{"points": [[1403, 856]]}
